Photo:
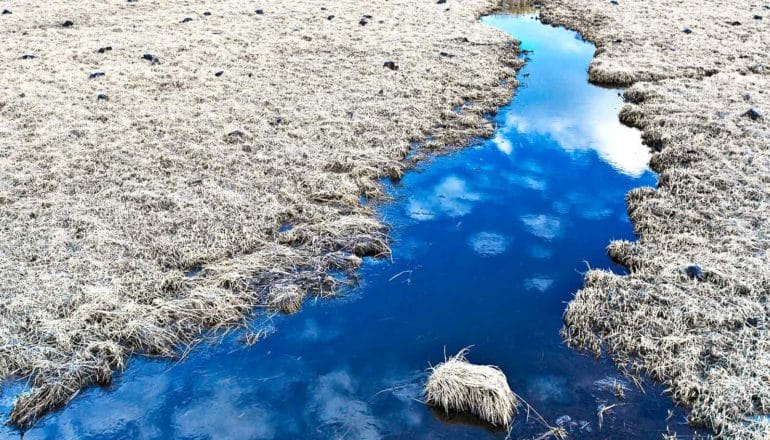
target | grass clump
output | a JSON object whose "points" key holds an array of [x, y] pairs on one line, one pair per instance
{"points": [[457, 386]]}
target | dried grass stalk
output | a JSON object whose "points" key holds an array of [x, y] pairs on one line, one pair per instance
{"points": [[693, 313], [457, 386], [145, 219]]}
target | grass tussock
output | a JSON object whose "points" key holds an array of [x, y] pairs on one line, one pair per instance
{"points": [[457, 386], [693, 312], [166, 168]]}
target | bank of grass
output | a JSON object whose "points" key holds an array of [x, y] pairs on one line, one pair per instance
{"points": [[696, 70], [224, 171]]}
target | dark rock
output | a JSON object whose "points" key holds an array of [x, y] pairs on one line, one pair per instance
{"points": [[104, 49], [219, 73], [132, 1], [187, 20], [95, 75], [752, 322], [440, 2], [757, 17], [68, 23], [28, 56], [259, 12], [448, 55], [150, 57], [331, 17], [363, 22], [734, 23], [102, 97], [368, 17], [307, 38], [753, 114], [207, 13], [615, 2], [390, 65], [687, 30], [695, 272], [6, 12]]}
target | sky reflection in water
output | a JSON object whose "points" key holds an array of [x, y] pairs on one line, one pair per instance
{"points": [[488, 245]]}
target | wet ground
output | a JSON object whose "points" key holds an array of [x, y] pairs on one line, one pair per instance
{"points": [[488, 245]]}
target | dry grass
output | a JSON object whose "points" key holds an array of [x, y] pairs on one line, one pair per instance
{"points": [[457, 386], [106, 206], [706, 339]]}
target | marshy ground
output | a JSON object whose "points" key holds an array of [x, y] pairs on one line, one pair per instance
{"points": [[167, 167], [694, 311]]}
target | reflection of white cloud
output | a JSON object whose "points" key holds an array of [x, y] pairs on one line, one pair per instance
{"points": [[538, 283], [313, 332], [542, 226], [592, 126], [488, 244], [337, 408], [222, 415], [101, 416], [503, 144], [451, 197], [526, 181]]}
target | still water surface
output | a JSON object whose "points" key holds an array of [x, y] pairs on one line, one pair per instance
{"points": [[488, 245]]}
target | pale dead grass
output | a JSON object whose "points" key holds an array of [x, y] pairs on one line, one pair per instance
{"points": [[707, 341], [458, 386], [106, 206]]}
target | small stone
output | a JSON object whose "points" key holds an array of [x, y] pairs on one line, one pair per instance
{"points": [[752, 322], [187, 20], [615, 2], [68, 23], [757, 17], [363, 22], [753, 114], [687, 30], [102, 97], [390, 65], [448, 55], [259, 12], [219, 73], [735, 23], [6, 12], [331, 17], [694, 271], [104, 49], [207, 13], [95, 75], [150, 57], [440, 2], [27, 56]]}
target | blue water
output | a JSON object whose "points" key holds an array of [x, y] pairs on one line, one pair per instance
{"points": [[489, 243]]}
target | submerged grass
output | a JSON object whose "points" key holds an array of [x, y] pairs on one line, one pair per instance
{"points": [[693, 312], [145, 205]]}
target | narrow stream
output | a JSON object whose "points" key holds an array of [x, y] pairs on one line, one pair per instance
{"points": [[489, 243]]}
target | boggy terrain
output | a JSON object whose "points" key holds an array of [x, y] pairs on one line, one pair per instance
{"points": [[693, 312], [167, 166]]}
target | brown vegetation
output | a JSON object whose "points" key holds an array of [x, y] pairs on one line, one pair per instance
{"points": [[694, 312], [144, 205]]}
